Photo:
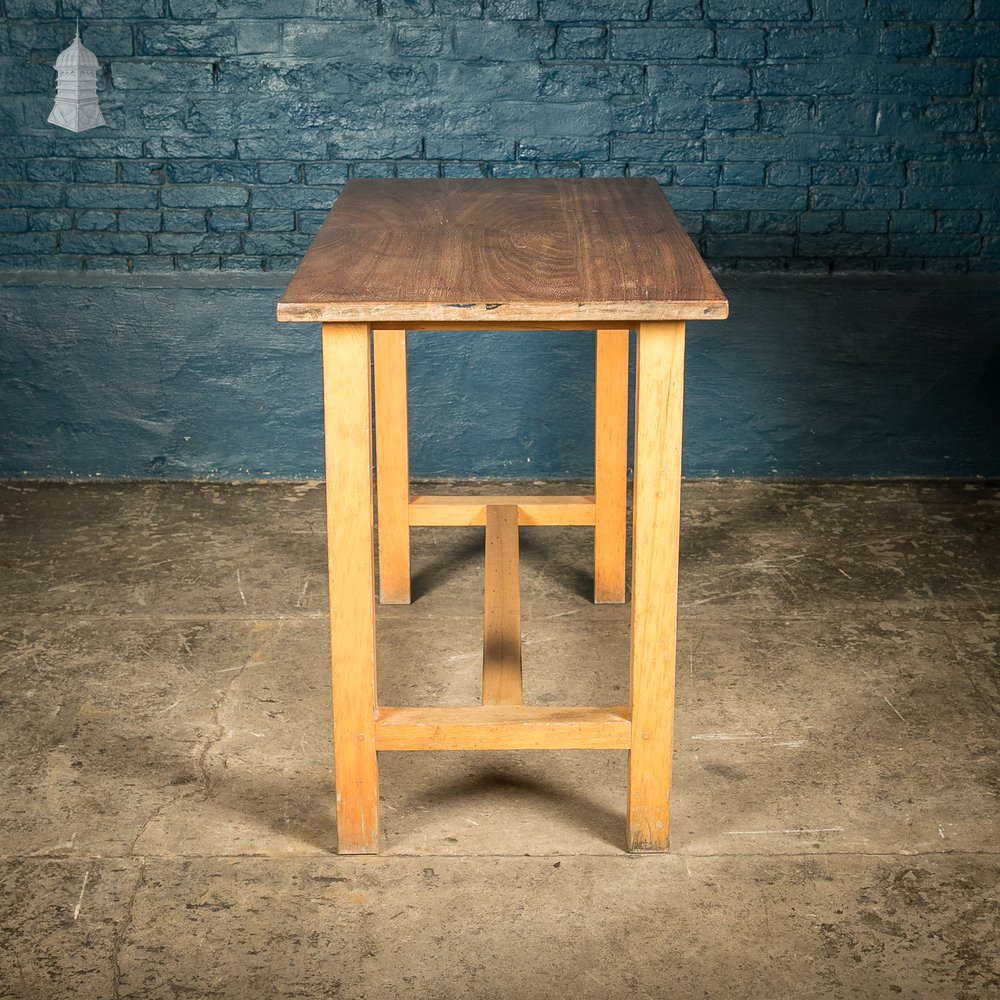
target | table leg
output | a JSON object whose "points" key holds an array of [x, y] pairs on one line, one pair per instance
{"points": [[347, 426], [655, 541], [393, 467], [610, 466]]}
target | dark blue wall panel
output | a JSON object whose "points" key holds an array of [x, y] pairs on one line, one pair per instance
{"points": [[811, 376], [795, 138]]}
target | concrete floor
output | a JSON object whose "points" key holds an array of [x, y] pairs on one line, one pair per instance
{"points": [[167, 793]]}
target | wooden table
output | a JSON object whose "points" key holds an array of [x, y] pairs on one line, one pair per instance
{"points": [[605, 254]]}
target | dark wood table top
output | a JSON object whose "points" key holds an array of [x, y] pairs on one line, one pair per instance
{"points": [[522, 251]]}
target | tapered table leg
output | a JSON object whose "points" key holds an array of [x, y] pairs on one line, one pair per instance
{"points": [[655, 540], [347, 424]]}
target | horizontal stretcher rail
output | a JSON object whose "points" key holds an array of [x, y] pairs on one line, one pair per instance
{"points": [[429, 511], [496, 727]]}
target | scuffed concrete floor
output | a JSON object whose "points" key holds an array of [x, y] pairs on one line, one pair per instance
{"points": [[167, 792]]}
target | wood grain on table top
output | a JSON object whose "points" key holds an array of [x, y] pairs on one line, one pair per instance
{"points": [[495, 250]]}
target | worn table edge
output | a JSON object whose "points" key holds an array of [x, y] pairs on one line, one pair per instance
{"points": [[496, 313]]}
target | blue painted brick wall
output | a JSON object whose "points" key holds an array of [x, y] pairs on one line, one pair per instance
{"points": [[808, 134]]}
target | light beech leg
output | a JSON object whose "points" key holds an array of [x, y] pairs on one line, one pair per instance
{"points": [[392, 467], [351, 560], [610, 466], [655, 539]]}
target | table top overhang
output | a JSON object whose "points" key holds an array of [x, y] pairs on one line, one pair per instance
{"points": [[494, 251]]}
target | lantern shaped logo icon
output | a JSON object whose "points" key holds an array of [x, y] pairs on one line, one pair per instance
{"points": [[76, 105]]}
